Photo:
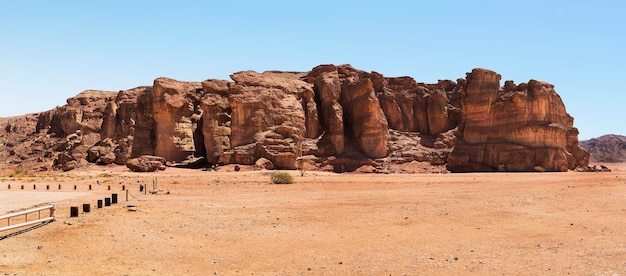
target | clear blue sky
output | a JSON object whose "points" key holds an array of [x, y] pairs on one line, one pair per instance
{"points": [[52, 50]]}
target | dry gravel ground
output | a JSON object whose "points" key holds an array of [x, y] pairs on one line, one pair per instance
{"points": [[237, 223]]}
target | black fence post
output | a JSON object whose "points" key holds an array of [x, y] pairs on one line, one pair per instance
{"points": [[74, 211]]}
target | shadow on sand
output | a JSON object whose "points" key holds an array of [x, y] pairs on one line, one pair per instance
{"points": [[23, 231]]}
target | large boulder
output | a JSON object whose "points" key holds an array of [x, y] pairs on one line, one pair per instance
{"points": [[263, 163], [146, 163], [102, 153], [73, 150]]}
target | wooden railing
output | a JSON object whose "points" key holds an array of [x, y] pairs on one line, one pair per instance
{"points": [[26, 222]]}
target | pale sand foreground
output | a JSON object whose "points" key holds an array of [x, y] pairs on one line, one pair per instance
{"points": [[229, 223], [19, 200]]}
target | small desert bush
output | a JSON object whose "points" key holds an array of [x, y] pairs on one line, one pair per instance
{"points": [[18, 172], [281, 178]]}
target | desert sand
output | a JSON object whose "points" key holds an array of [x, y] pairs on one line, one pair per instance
{"points": [[237, 223]]}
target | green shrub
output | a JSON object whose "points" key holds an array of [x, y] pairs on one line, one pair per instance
{"points": [[281, 178]]}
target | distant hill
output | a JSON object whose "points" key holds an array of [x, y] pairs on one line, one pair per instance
{"points": [[609, 148]]}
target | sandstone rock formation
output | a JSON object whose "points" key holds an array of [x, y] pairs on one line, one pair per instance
{"points": [[146, 163], [333, 117], [85, 112], [513, 128]]}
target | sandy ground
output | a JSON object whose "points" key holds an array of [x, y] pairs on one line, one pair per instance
{"points": [[237, 223], [15, 201]]}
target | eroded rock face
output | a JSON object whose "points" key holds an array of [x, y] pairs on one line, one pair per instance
{"points": [[84, 112], [216, 118], [175, 112], [83, 117], [513, 128], [121, 114], [363, 113], [267, 118], [336, 117], [328, 90], [351, 114]]}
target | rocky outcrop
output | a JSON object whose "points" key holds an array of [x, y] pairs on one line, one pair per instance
{"points": [[327, 90], [84, 112], [335, 117], [416, 107], [72, 152], [513, 128], [146, 163], [216, 119], [365, 117], [608, 148], [176, 114], [352, 117], [121, 114], [267, 118], [76, 125]]}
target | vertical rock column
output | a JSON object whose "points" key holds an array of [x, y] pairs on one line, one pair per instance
{"points": [[328, 89], [369, 124], [216, 119], [172, 111]]}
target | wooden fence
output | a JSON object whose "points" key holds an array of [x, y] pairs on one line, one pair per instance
{"points": [[25, 213]]}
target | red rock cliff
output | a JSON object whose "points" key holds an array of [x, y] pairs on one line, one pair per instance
{"points": [[513, 128], [333, 118]]}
